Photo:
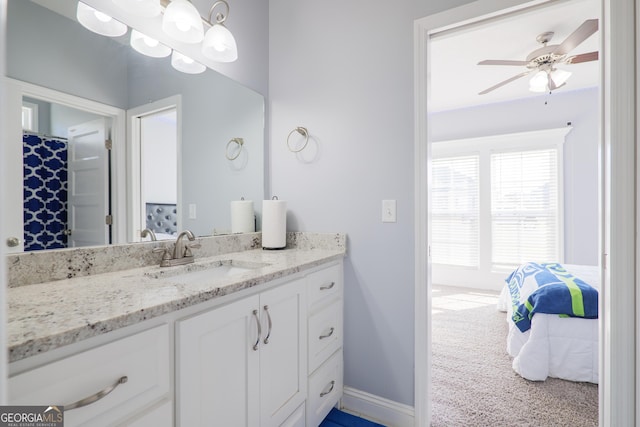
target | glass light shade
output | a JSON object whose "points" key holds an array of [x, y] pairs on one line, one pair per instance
{"points": [[148, 46], [219, 44], [539, 82], [560, 77], [185, 64], [145, 8], [99, 22], [182, 21]]}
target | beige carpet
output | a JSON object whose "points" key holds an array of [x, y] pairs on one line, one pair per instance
{"points": [[473, 382]]}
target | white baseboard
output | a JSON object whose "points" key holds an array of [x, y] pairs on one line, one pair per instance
{"points": [[377, 409]]}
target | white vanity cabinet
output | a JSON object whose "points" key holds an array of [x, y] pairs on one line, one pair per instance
{"points": [[136, 369], [245, 363], [325, 326]]}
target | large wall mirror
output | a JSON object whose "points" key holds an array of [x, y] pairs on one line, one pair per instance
{"points": [[103, 81]]}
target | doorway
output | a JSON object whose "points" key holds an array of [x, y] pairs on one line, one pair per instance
{"points": [[617, 356], [58, 130], [154, 170]]}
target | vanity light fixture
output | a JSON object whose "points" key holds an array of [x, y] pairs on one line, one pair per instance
{"points": [[99, 22], [183, 22], [185, 64], [180, 20], [145, 8], [219, 44], [148, 46]]}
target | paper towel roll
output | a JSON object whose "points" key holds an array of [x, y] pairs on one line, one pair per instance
{"points": [[274, 224], [242, 216]]}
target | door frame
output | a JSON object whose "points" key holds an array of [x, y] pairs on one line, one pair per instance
{"points": [[134, 165], [617, 349], [16, 89]]}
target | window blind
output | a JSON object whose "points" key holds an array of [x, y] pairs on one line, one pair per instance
{"points": [[455, 208], [524, 207]]}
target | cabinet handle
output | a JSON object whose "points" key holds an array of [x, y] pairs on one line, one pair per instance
{"points": [[327, 287], [328, 334], [255, 315], [324, 393], [266, 339], [95, 397]]}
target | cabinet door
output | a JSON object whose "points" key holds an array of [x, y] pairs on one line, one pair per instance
{"points": [[217, 380], [283, 358]]}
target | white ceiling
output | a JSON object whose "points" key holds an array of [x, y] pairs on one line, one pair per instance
{"points": [[456, 78]]}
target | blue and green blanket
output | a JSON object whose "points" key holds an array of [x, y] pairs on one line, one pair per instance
{"points": [[549, 288]]}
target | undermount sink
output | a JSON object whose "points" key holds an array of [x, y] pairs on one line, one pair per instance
{"points": [[203, 273]]}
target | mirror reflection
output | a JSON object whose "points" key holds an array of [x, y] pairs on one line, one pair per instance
{"points": [[144, 172]]}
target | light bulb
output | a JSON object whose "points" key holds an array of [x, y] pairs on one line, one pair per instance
{"points": [[102, 17], [99, 22], [148, 45]]}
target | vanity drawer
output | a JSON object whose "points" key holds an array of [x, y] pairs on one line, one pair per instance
{"points": [[325, 333], [325, 389], [142, 358], [324, 284]]}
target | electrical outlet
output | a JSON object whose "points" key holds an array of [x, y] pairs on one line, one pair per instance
{"points": [[388, 211], [192, 211]]}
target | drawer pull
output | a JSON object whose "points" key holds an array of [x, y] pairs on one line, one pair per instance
{"points": [[327, 287], [266, 339], [324, 393], [95, 397], [255, 315], [328, 334]]}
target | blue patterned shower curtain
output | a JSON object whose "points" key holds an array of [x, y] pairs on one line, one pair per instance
{"points": [[45, 192]]}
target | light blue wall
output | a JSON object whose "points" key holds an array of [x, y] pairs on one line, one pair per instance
{"points": [[578, 107], [344, 70]]}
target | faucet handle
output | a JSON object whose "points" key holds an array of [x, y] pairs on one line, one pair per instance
{"points": [[165, 252], [189, 246]]}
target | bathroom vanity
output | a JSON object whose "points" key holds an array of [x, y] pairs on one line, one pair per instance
{"points": [[242, 337]]}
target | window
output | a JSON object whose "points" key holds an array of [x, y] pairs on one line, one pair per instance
{"points": [[524, 207], [496, 202], [456, 211], [30, 116]]}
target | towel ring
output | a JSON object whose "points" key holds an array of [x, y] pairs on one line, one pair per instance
{"points": [[302, 131], [239, 142]]}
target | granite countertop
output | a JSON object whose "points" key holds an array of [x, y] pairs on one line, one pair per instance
{"points": [[49, 315]]}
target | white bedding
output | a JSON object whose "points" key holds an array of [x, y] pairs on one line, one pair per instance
{"points": [[559, 347]]}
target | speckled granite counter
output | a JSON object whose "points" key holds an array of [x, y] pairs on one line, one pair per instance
{"points": [[45, 316]]}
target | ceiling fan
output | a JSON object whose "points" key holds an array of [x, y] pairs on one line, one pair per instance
{"points": [[542, 61]]}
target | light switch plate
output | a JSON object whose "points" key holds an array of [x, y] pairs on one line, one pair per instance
{"points": [[388, 211], [192, 211]]}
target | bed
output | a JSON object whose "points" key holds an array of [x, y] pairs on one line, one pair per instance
{"points": [[551, 344], [162, 220]]}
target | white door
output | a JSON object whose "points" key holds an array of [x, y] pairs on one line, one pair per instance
{"points": [[88, 197]]}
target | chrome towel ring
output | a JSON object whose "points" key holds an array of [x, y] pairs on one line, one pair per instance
{"points": [[302, 131], [237, 141]]}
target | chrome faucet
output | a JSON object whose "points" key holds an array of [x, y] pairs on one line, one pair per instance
{"points": [[181, 251]]}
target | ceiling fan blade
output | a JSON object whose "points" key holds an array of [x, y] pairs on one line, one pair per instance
{"points": [[501, 62], [582, 33], [583, 57], [516, 77]]}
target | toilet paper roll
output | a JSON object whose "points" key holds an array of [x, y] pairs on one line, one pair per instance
{"points": [[242, 217], [274, 224]]}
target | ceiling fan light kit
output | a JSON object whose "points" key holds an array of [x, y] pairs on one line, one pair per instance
{"points": [[542, 61]]}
